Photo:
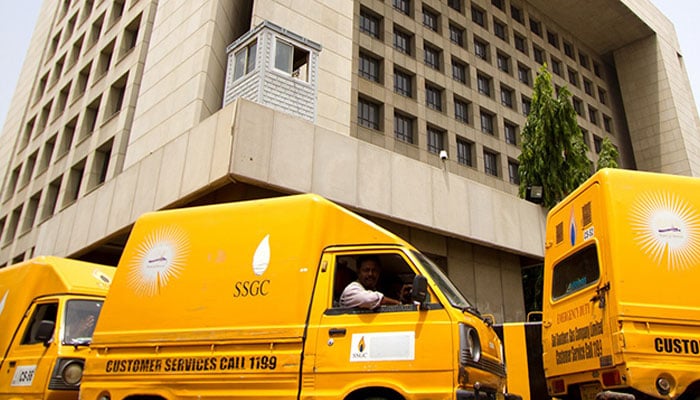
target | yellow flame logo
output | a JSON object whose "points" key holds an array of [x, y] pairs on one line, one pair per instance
{"points": [[361, 345]]}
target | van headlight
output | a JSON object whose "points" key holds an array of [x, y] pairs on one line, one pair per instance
{"points": [[469, 345], [67, 374], [72, 372]]}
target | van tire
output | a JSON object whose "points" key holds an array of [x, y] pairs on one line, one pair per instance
{"points": [[375, 394]]}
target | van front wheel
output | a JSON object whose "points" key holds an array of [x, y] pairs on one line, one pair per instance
{"points": [[375, 394]]}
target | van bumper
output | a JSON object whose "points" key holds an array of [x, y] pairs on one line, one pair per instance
{"points": [[481, 395]]}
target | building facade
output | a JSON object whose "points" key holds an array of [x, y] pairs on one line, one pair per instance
{"points": [[406, 111]]}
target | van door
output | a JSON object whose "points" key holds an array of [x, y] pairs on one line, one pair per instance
{"points": [[29, 361], [394, 346]]}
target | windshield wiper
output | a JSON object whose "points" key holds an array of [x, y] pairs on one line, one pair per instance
{"points": [[83, 341]]}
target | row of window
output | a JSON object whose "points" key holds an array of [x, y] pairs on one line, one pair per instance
{"points": [[405, 129], [45, 206], [371, 24], [370, 67], [433, 56], [88, 124], [39, 122]]}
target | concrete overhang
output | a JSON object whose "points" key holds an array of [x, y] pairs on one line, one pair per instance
{"points": [[604, 25]]}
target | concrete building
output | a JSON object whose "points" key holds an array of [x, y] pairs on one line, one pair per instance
{"points": [[129, 106]]}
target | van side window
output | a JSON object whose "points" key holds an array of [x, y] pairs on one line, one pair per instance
{"points": [[575, 272], [42, 312], [395, 277]]}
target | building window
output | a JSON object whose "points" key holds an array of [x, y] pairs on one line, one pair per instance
{"points": [[455, 5], [498, 4], [506, 96], [503, 62], [403, 128], [370, 67], [583, 60], [436, 139], [461, 110], [556, 66], [245, 60], [597, 143], [51, 199], [553, 39], [578, 106], [593, 115], [516, 13], [586, 139], [464, 152], [538, 54], [520, 43], [483, 84], [588, 87], [513, 175], [607, 123], [75, 179], [597, 70], [370, 23], [573, 77], [481, 49], [526, 103], [430, 19], [90, 117], [117, 92], [100, 165], [535, 27], [403, 41], [432, 56], [500, 30], [403, 83], [569, 50], [479, 16], [402, 5], [602, 96], [510, 131], [459, 71], [292, 60], [524, 74], [457, 35], [486, 119], [433, 97], [490, 163], [368, 113], [131, 33]]}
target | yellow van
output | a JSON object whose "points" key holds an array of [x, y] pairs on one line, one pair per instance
{"points": [[48, 309], [239, 301], [621, 312]]}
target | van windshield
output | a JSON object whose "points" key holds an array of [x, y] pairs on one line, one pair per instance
{"points": [[80, 318], [454, 296]]}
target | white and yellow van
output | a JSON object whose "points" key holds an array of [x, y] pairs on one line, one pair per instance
{"points": [[236, 301], [621, 311], [48, 309]]}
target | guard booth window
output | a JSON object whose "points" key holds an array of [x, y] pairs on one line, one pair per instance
{"points": [[575, 272], [42, 312]]}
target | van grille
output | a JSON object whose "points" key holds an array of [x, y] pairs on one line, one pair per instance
{"points": [[493, 367]]}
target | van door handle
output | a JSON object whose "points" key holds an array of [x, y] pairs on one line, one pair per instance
{"points": [[13, 363], [336, 332]]}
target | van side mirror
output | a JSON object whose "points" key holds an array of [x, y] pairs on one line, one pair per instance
{"points": [[420, 289], [44, 332]]}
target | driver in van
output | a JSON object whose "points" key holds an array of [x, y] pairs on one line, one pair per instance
{"points": [[363, 292]]}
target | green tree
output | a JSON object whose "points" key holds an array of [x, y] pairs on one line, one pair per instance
{"points": [[607, 158], [553, 153]]}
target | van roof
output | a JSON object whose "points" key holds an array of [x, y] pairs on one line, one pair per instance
{"points": [[43, 276], [219, 270]]}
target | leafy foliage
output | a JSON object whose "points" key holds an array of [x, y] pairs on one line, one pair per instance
{"points": [[553, 152], [608, 155]]}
